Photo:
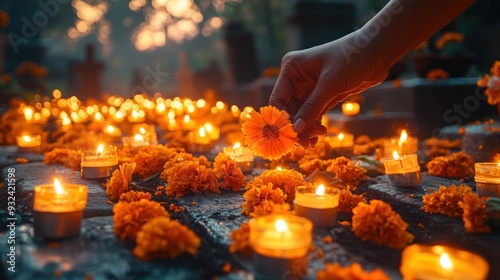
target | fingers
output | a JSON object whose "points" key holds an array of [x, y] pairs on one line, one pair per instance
{"points": [[282, 92], [311, 110]]}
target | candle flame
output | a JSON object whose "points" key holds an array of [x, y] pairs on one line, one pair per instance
{"points": [[100, 149], [403, 136], [341, 136], [110, 128], [208, 127], [138, 137], [281, 225], [26, 138], [279, 168], [237, 145], [445, 261], [395, 155], [349, 106], [142, 130], [202, 132], [58, 187], [187, 118], [320, 191]]}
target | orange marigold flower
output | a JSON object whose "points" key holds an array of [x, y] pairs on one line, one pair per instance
{"points": [[483, 82], [189, 176], [241, 240], [129, 217], [334, 271], [267, 207], [269, 133], [68, 157], [183, 156], [31, 68], [165, 238], [495, 68], [378, 223], [443, 143], [151, 159], [474, 213], [226, 170], [445, 200], [120, 180], [257, 195], [456, 165], [349, 201], [285, 179], [4, 19], [436, 74], [132, 196], [346, 171]]}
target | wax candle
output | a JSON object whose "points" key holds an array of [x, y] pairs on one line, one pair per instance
{"points": [[403, 171], [112, 133], [98, 162], [281, 243], [341, 141], [350, 108], [148, 132], [487, 179], [242, 156], [58, 210], [212, 131], [318, 204], [403, 145], [188, 124], [441, 262], [199, 142], [135, 141], [29, 144]]}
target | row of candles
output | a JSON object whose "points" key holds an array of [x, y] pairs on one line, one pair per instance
{"points": [[281, 242]]}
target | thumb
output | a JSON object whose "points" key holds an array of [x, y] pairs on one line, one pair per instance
{"points": [[311, 110]]}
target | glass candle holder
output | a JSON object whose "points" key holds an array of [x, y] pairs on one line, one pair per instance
{"points": [[58, 215], [318, 204], [99, 162], [112, 133], [29, 144], [441, 262], [135, 141], [199, 142], [403, 171], [148, 132], [405, 145], [242, 156], [487, 177], [281, 244]]}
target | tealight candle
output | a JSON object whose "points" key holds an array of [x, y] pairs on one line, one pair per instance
{"points": [[350, 108], [135, 141], [342, 141], [213, 132], [487, 179], [318, 204], [404, 145], [148, 132], [242, 156], [188, 124], [403, 171], [58, 210], [199, 142], [281, 243], [98, 162], [29, 144], [112, 133], [441, 262]]}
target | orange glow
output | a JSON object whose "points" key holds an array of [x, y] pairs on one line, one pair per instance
{"points": [[320, 191], [395, 155], [58, 187]]}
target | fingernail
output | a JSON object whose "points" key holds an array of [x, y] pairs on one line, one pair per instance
{"points": [[299, 126]]}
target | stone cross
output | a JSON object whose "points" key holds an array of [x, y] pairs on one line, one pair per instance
{"points": [[89, 76]]}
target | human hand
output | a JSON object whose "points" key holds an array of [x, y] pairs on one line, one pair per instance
{"points": [[312, 81]]}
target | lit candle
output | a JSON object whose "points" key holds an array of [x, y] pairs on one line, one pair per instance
{"points": [[318, 204], [112, 133], [350, 108], [281, 243], [403, 145], [212, 132], [199, 142], [58, 210], [403, 171], [441, 262], [242, 156], [148, 132], [342, 141], [98, 162], [188, 124], [29, 144], [487, 179], [135, 141]]}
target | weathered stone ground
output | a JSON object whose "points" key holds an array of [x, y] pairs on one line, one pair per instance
{"points": [[99, 254]]}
